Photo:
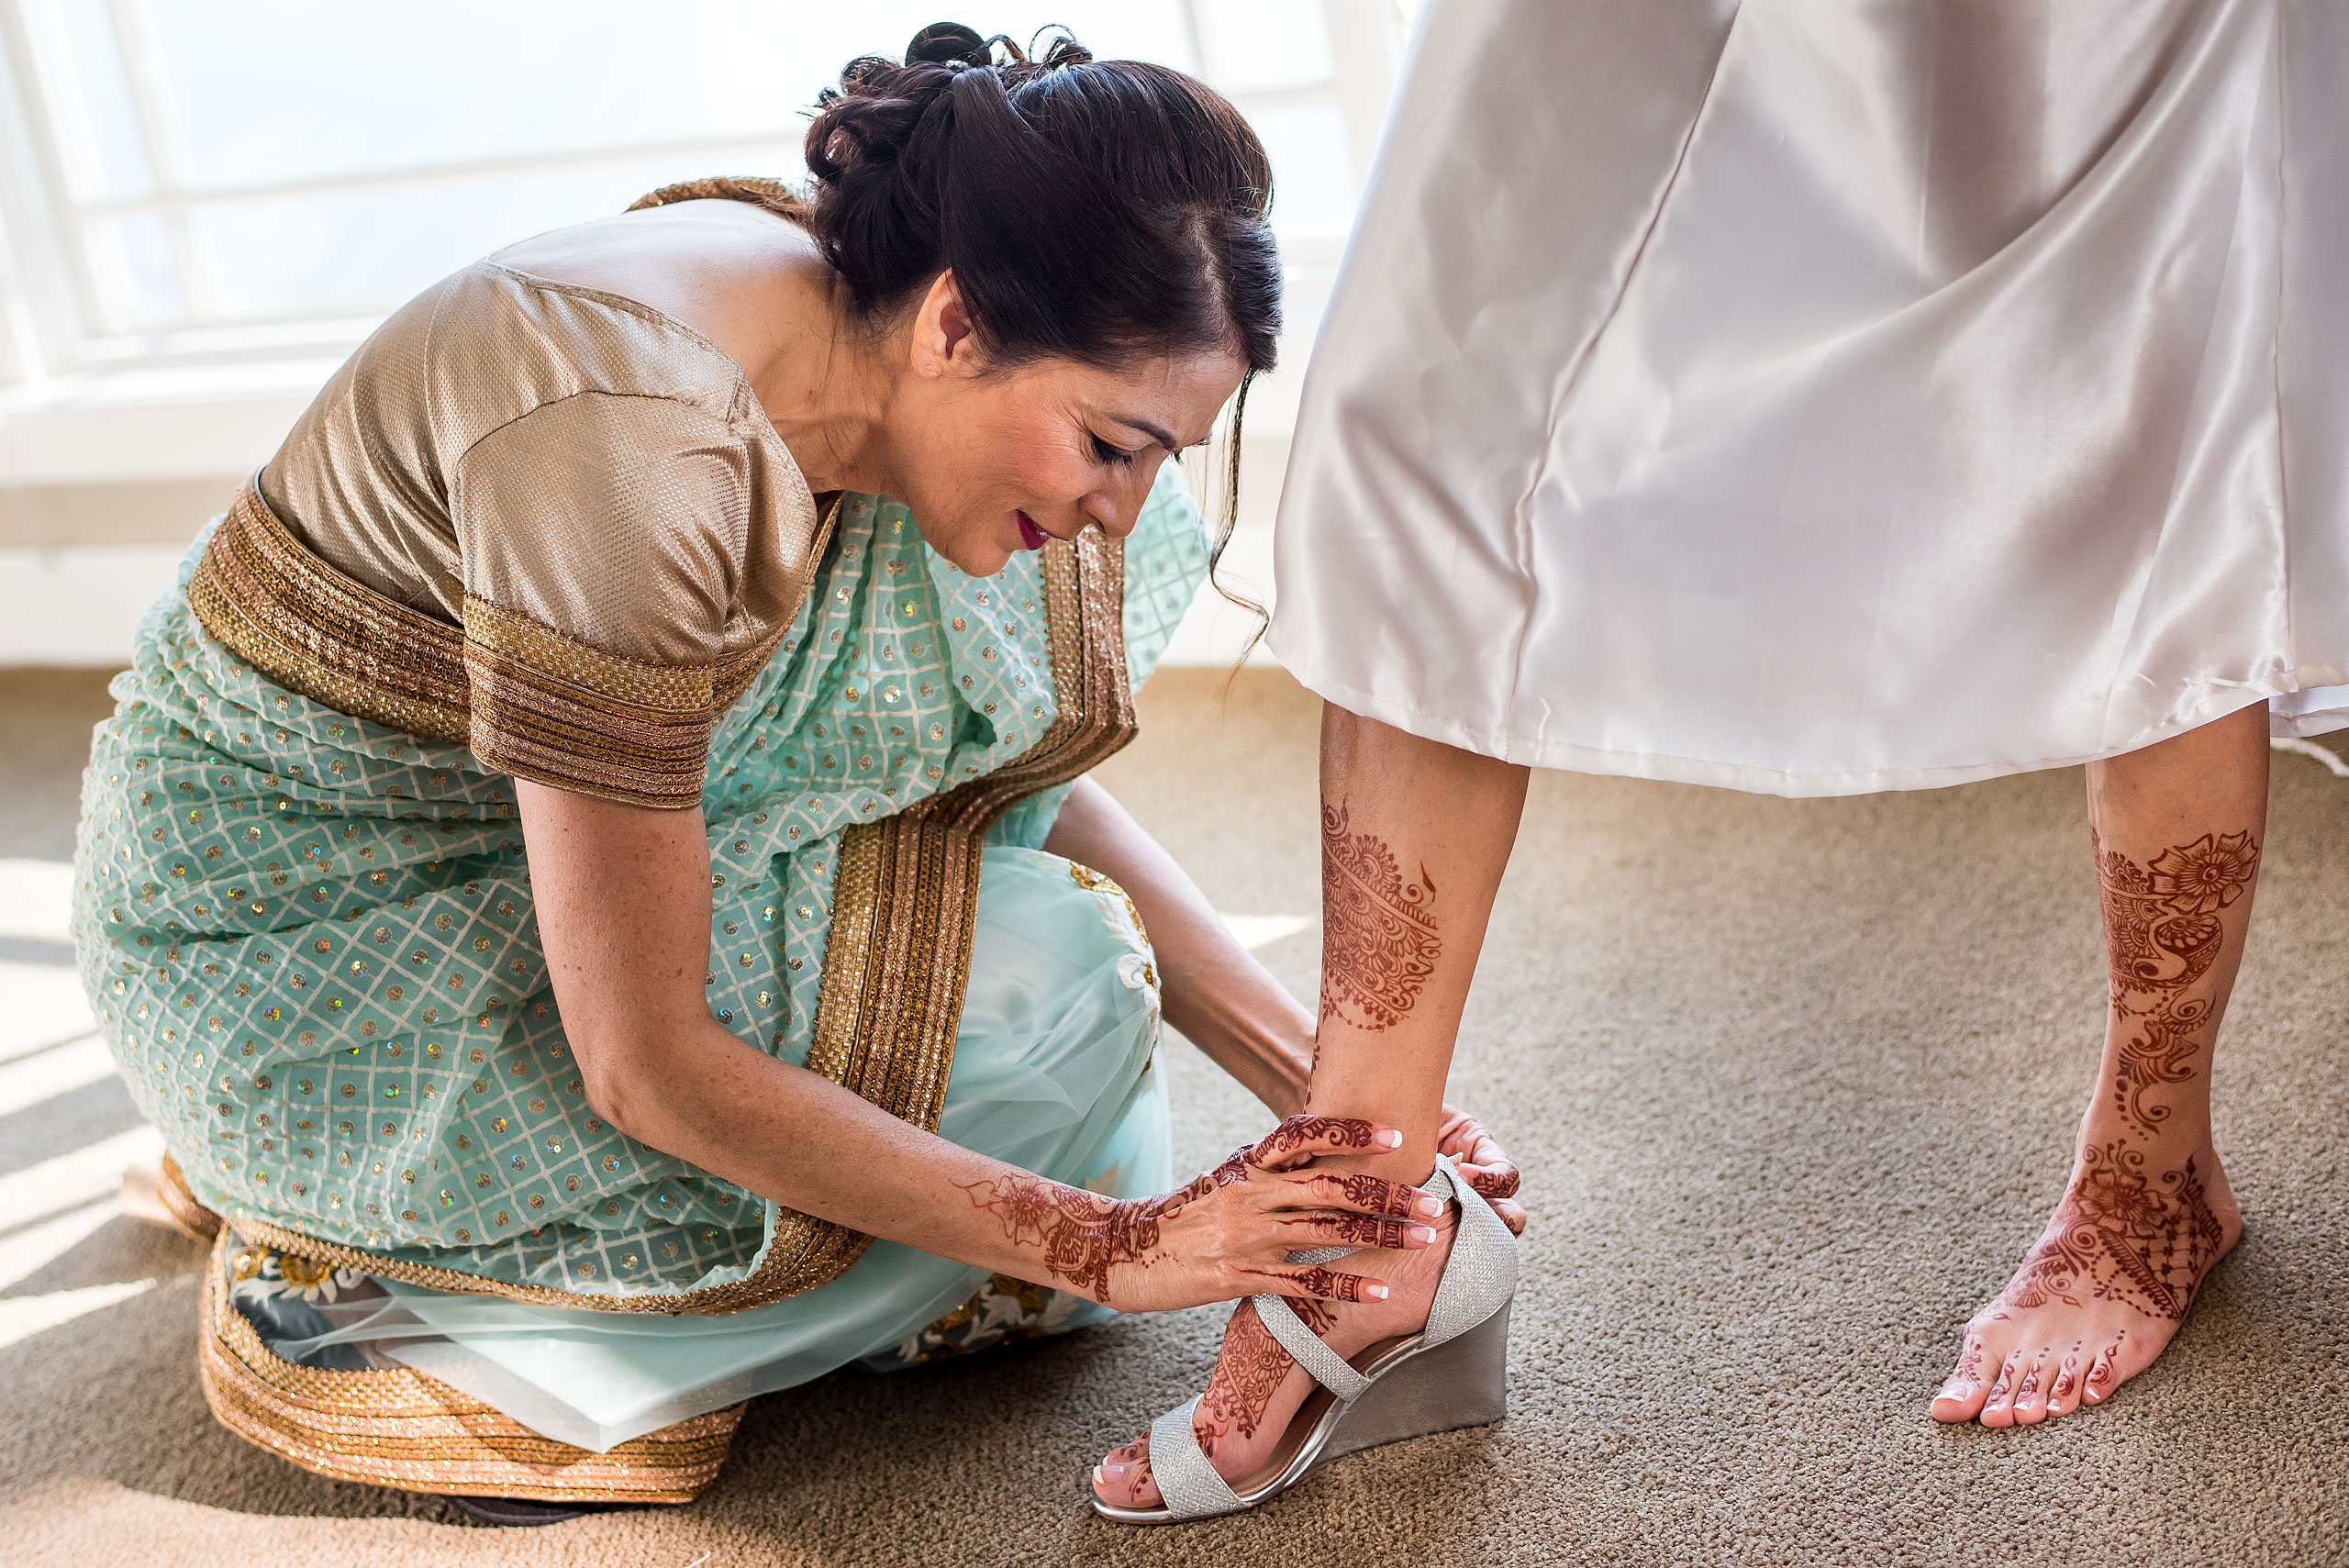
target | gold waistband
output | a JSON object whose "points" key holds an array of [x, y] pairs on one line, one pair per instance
{"points": [[316, 631], [525, 699]]}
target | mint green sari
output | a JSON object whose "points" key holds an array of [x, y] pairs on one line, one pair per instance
{"points": [[309, 939]]}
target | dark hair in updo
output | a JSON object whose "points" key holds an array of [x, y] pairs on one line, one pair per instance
{"points": [[1097, 210]]}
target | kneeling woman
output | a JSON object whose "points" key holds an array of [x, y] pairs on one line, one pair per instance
{"points": [[574, 834]]}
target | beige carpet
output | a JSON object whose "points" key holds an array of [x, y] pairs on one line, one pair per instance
{"points": [[1793, 1085]]}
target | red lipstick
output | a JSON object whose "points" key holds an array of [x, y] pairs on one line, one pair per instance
{"points": [[1030, 534]]}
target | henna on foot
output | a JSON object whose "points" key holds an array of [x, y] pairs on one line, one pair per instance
{"points": [[1256, 1390], [2148, 1212]]}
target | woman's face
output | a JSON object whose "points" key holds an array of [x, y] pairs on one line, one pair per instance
{"points": [[995, 461]]}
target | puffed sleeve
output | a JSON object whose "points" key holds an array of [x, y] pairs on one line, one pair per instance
{"points": [[603, 539]]}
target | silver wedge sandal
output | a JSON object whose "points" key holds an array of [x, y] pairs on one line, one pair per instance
{"points": [[1454, 1373]]}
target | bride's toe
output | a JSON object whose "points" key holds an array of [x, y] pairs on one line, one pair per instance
{"points": [[1123, 1479]]}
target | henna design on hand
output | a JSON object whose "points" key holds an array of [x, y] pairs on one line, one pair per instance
{"points": [[1378, 943], [2162, 925], [2118, 1237], [1082, 1235]]}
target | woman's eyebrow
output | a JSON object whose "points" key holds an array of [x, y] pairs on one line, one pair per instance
{"points": [[1154, 432]]}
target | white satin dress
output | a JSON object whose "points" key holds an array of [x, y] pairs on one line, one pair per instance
{"points": [[1816, 396]]}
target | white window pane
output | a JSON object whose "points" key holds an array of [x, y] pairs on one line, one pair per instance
{"points": [[276, 90], [365, 251], [84, 87], [1255, 46], [1313, 174], [132, 269]]}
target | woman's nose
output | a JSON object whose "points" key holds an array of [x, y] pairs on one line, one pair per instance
{"points": [[1116, 514], [1118, 510]]}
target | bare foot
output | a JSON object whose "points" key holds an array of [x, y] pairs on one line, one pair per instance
{"points": [[1256, 1389], [2105, 1287]]}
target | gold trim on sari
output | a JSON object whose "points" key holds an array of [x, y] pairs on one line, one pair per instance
{"points": [[525, 699], [393, 1427]]}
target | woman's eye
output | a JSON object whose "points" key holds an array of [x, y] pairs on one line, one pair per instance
{"points": [[1117, 457]]}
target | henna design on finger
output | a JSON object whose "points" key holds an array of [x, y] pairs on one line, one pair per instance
{"points": [[1082, 1235], [2163, 934], [1327, 1284], [1379, 941], [1361, 1230], [1373, 1193], [1332, 1133], [1493, 1185]]}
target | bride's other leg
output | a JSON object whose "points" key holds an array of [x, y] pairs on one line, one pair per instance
{"points": [[1415, 835], [2177, 829]]}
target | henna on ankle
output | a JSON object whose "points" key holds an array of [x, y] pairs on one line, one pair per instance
{"points": [[2163, 928], [2118, 1236], [1379, 941]]}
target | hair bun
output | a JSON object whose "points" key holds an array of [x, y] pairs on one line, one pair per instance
{"points": [[947, 43]]}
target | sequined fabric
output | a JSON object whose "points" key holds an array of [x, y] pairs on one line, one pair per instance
{"points": [[310, 940]]}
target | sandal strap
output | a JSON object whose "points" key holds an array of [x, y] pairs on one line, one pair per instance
{"points": [[1305, 1347], [1481, 1274], [1185, 1479]]}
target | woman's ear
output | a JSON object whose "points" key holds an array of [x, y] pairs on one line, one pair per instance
{"points": [[944, 343]]}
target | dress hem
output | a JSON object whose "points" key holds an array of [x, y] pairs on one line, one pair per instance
{"points": [[1747, 779]]}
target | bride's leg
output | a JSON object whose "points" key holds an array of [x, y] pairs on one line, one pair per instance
{"points": [[1415, 835], [2177, 829]]}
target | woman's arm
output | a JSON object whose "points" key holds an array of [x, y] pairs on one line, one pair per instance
{"points": [[1215, 992], [623, 898], [1225, 1001]]}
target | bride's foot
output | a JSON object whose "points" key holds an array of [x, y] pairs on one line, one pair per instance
{"points": [[1256, 1388], [2105, 1287]]}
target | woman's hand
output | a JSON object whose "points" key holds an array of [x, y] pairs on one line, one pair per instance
{"points": [[1228, 1232], [1480, 1159]]}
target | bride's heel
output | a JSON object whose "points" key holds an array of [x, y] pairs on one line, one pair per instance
{"points": [[1461, 1383], [1453, 1373]]}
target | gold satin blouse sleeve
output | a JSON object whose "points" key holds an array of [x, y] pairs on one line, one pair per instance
{"points": [[603, 537]]}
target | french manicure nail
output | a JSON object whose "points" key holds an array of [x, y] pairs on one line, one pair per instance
{"points": [[1424, 1204], [1374, 1290], [1421, 1235], [1387, 1138]]}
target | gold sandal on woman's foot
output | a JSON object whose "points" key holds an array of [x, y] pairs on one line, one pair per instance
{"points": [[1452, 1374]]}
